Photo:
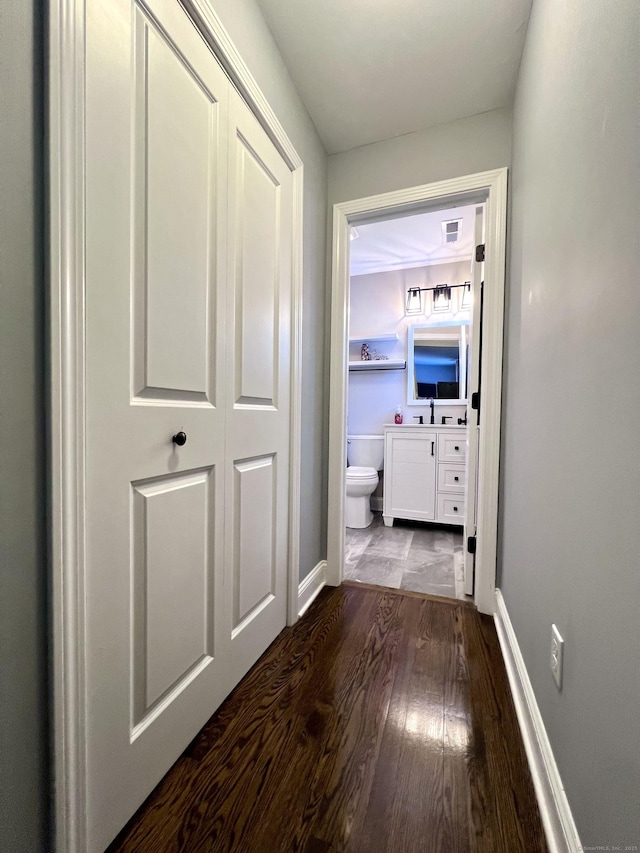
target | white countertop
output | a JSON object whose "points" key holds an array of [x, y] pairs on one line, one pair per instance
{"points": [[413, 425]]}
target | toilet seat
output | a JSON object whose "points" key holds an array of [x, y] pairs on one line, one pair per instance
{"points": [[357, 472]]}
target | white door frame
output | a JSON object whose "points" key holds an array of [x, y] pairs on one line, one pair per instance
{"points": [[489, 187], [66, 308]]}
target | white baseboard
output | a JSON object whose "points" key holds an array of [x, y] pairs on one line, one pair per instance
{"points": [[310, 586], [559, 826]]}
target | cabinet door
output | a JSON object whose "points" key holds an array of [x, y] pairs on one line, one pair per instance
{"points": [[410, 476]]}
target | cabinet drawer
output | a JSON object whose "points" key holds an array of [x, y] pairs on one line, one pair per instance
{"points": [[451, 478], [452, 448], [450, 509]]}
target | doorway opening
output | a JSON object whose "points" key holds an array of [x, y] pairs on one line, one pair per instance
{"points": [[436, 447], [414, 291]]}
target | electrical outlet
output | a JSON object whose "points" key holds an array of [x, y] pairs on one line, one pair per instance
{"points": [[557, 655]]}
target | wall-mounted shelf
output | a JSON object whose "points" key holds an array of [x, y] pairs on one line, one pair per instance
{"points": [[377, 364], [373, 339], [383, 364]]}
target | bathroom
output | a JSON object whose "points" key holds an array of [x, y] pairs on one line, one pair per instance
{"points": [[410, 359]]}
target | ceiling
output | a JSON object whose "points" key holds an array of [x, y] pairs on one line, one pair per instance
{"points": [[372, 70], [411, 241]]}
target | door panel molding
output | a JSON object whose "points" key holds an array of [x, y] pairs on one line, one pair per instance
{"points": [[162, 661], [489, 187], [170, 234], [255, 283], [254, 535], [66, 268]]}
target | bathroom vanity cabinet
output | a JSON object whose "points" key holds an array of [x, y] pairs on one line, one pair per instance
{"points": [[424, 474]]}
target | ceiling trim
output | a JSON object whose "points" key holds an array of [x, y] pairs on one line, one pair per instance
{"points": [[413, 266]]}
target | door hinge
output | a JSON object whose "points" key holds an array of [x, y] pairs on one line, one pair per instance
{"points": [[480, 253], [471, 544], [475, 400]]}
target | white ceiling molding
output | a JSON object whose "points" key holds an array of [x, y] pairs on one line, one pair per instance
{"points": [[376, 268], [413, 241]]}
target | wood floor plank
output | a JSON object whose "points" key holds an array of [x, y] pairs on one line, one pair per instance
{"points": [[458, 740], [417, 813], [376, 820], [381, 722], [321, 731], [312, 697], [505, 815], [345, 772]]}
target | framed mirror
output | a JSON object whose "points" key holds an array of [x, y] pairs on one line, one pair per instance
{"points": [[438, 364]]}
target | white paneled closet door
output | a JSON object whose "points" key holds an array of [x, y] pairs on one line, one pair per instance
{"points": [[188, 273], [258, 376]]}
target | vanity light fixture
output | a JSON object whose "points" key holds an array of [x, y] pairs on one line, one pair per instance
{"points": [[442, 298], [465, 302], [414, 301]]}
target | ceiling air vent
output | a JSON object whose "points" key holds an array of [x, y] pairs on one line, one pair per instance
{"points": [[451, 229]]}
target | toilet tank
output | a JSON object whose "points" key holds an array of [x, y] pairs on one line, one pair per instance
{"points": [[366, 451]]}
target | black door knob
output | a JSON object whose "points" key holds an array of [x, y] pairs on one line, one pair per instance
{"points": [[179, 438]]}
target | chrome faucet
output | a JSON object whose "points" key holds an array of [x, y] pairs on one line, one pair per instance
{"points": [[432, 419]]}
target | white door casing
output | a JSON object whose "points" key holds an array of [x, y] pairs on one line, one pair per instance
{"points": [[188, 328], [483, 187], [473, 434]]}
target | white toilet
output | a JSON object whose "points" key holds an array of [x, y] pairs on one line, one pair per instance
{"points": [[365, 455]]}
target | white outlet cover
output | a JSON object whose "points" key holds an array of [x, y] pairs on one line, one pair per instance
{"points": [[557, 655]]}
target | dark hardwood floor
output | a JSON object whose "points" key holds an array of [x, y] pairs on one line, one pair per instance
{"points": [[381, 722]]}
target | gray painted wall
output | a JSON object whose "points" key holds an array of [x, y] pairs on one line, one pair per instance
{"points": [[450, 150], [570, 500], [23, 662], [248, 30]]}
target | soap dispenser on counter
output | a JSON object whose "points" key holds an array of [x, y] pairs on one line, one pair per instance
{"points": [[398, 417]]}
